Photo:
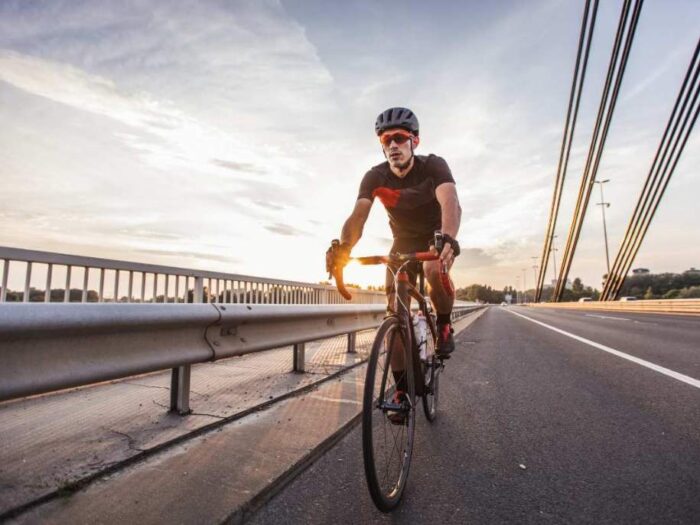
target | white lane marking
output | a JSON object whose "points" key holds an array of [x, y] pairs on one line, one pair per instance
{"points": [[656, 368], [607, 317]]}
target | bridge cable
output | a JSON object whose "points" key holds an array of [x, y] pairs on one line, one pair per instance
{"points": [[606, 110], [585, 37], [659, 175]]}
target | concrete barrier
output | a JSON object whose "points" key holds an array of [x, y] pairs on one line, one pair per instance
{"points": [[657, 306]]}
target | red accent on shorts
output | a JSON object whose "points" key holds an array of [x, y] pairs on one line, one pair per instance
{"points": [[403, 277], [388, 196]]}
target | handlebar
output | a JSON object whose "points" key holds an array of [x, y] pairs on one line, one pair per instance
{"points": [[337, 272]]}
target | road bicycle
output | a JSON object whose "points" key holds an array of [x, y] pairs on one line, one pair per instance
{"points": [[403, 355]]}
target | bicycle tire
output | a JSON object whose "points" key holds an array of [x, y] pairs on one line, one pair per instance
{"points": [[431, 372], [386, 485]]}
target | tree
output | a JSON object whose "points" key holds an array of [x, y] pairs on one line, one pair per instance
{"points": [[661, 284]]}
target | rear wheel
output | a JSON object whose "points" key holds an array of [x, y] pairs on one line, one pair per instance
{"points": [[388, 423]]}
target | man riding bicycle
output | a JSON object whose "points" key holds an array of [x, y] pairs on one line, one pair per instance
{"points": [[420, 197]]}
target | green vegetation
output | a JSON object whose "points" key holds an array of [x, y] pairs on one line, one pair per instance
{"points": [[684, 285], [484, 294]]}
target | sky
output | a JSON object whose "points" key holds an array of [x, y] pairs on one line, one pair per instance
{"points": [[233, 135]]}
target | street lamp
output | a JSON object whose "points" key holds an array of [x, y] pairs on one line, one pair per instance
{"points": [[604, 205], [534, 267], [554, 250], [524, 285]]}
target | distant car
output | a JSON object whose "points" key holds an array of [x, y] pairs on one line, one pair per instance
{"points": [[585, 299], [628, 298], [504, 303]]}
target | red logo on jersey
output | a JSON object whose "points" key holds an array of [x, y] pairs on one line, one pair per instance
{"points": [[388, 196]]}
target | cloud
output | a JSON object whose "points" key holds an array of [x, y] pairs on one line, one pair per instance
{"points": [[269, 205], [150, 234], [238, 167], [163, 134], [470, 258], [198, 256], [69, 85], [284, 229]]}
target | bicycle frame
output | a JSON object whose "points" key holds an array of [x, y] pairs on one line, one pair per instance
{"points": [[403, 292]]}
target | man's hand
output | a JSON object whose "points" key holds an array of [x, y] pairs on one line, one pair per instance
{"points": [[447, 256], [450, 250], [337, 256]]}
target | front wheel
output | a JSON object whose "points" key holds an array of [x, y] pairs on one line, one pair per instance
{"points": [[432, 367], [388, 419]]}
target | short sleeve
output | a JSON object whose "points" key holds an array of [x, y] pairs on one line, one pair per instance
{"points": [[369, 183], [440, 170]]}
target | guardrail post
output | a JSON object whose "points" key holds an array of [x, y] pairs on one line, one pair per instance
{"points": [[352, 340], [299, 357], [180, 390], [180, 376]]}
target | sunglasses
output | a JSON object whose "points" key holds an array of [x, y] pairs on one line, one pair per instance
{"points": [[400, 138]]}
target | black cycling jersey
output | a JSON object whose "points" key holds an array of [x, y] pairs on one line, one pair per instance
{"points": [[414, 212]]}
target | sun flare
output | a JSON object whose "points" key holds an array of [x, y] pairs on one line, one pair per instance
{"points": [[365, 276]]}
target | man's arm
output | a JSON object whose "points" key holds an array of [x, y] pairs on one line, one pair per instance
{"points": [[352, 229], [446, 195]]}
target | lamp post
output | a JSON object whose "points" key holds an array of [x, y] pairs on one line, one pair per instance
{"points": [[554, 250], [524, 285], [517, 288], [604, 205], [534, 267]]}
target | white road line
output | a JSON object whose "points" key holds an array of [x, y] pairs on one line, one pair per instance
{"points": [[670, 373], [607, 317]]}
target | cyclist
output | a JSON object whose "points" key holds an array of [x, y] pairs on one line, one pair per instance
{"points": [[420, 197]]}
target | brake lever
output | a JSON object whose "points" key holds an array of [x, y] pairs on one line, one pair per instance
{"points": [[334, 247], [438, 241]]}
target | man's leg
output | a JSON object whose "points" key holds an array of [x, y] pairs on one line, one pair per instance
{"points": [[443, 303], [397, 359]]}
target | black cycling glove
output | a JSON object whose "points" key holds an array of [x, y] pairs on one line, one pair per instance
{"points": [[447, 238], [337, 255]]}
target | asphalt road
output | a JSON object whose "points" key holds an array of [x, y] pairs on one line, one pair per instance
{"points": [[534, 427]]}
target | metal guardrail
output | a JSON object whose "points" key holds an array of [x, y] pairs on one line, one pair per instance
{"points": [[151, 283], [48, 347], [664, 306]]}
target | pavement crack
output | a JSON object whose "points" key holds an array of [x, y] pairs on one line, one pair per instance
{"points": [[205, 414], [131, 442]]}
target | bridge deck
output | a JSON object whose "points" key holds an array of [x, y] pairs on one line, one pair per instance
{"points": [[533, 425]]}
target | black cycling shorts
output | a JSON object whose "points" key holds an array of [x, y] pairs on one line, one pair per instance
{"points": [[407, 245]]}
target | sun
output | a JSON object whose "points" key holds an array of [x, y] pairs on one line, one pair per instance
{"points": [[365, 276]]}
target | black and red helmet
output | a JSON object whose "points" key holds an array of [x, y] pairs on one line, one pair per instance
{"points": [[402, 118]]}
